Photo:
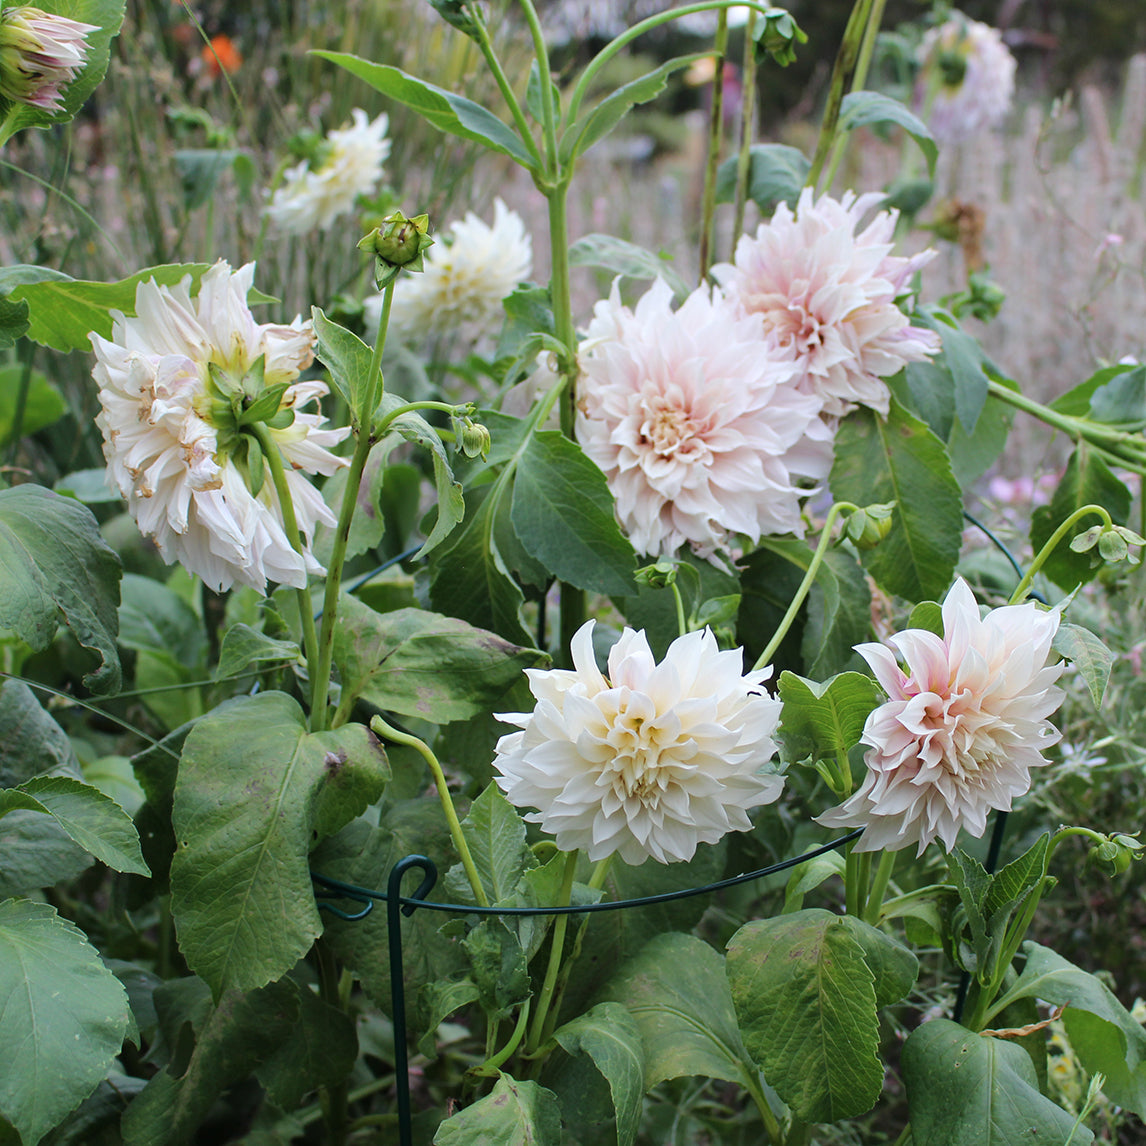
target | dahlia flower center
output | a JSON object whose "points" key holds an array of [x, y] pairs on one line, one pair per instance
{"points": [[963, 735], [637, 769], [797, 327], [669, 430]]}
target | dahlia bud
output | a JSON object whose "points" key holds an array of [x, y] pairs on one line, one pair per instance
{"points": [[778, 34], [658, 576], [473, 438], [39, 54], [399, 242], [1115, 854], [867, 527]]}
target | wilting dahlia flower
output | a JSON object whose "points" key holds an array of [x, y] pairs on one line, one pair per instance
{"points": [[824, 293], [651, 760], [698, 432], [318, 192], [40, 54], [464, 280], [967, 79], [962, 728], [172, 443]]}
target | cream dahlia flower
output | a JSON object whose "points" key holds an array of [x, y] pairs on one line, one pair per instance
{"points": [[699, 433], [465, 277], [962, 728], [824, 292], [171, 442], [349, 164], [40, 54], [651, 760], [967, 79]]}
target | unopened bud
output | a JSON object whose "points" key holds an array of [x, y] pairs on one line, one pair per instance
{"points": [[1115, 854], [658, 576], [867, 527], [399, 242], [473, 438], [778, 34]]}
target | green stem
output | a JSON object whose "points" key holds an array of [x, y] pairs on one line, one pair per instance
{"points": [[23, 388], [805, 585], [1043, 554], [333, 1098], [904, 1136], [388, 420], [771, 1124], [874, 909], [856, 877], [715, 140], [681, 623], [274, 459], [380, 728], [545, 999], [548, 116], [492, 1065], [747, 127]]}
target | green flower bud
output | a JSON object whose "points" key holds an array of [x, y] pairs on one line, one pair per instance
{"points": [[952, 67], [399, 242], [778, 34], [1112, 546], [1115, 854], [473, 438], [867, 527], [658, 576], [1087, 540]]}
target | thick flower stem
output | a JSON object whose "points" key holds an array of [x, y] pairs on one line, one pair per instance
{"points": [[545, 999], [715, 139], [874, 909], [747, 127], [1053, 541], [380, 728], [493, 1064], [805, 586], [856, 878], [274, 460]]}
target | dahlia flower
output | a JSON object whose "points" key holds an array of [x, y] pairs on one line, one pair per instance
{"points": [[824, 296], [962, 727], [967, 79], [464, 279], [699, 434], [173, 446], [40, 53], [651, 760], [316, 193]]}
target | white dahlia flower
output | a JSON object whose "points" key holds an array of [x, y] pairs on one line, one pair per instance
{"points": [[172, 443], [316, 193], [466, 275], [651, 760], [824, 293], [967, 79], [40, 54], [962, 728]]}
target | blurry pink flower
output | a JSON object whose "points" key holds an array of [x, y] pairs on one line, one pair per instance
{"points": [[698, 432], [40, 53], [652, 760], [825, 297], [962, 727]]}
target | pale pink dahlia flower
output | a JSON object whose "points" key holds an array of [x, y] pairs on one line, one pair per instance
{"points": [[967, 79], [40, 54], [823, 292], [651, 760], [173, 447], [698, 432], [962, 727]]}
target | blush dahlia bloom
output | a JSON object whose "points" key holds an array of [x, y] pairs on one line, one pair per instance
{"points": [[465, 277], [700, 434], [315, 194], [967, 79], [962, 727], [824, 293], [651, 760], [171, 452], [40, 54]]}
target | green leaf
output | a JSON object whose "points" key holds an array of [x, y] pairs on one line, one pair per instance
{"points": [[927, 615], [439, 1001], [90, 486], [423, 664], [254, 789], [240, 1032], [563, 515], [625, 258], [13, 322], [512, 1114], [610, 1037], [442, 109], [1121, 401], [37, 853], [63, 1020], [243, 647], [200, 169], [973, 454], [499, 967], [677, 992], [1076, 402], [961, 371], [31, 742], [345, 356], [55, 566], [1088, 654], [965, 1089], [806, 1001], [901, 460], [596, 123], [155, 619], [1105, 1036], [96, 822], [860, 109], [809, 875], [65, 311], [43, 403], [821, 720], [368, 521], [495, 833], [1088, 480], [776, 174]]}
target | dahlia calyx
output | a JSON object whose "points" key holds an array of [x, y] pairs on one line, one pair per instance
{"points": [[653, 759], [40, 54], [173, 447], [316, 193], [962, 727], [823, 295], [701, 436]]}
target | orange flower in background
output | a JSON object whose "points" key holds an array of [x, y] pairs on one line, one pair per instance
{"points": [[221, 53]]}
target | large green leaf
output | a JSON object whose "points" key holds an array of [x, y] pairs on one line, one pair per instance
{"points": [[960, 374], [254, 791], [776, 174], [512, 1114], [1090, 656], [495, 834], [861, 109], [31, 742], [1076, 402], [43, 403], [822, 720], [447, 112], [901, 460], [54, 567], [63, 1018], [346, 356], [965, 1089], [625, 258], [563, 515], [423, 664]]}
